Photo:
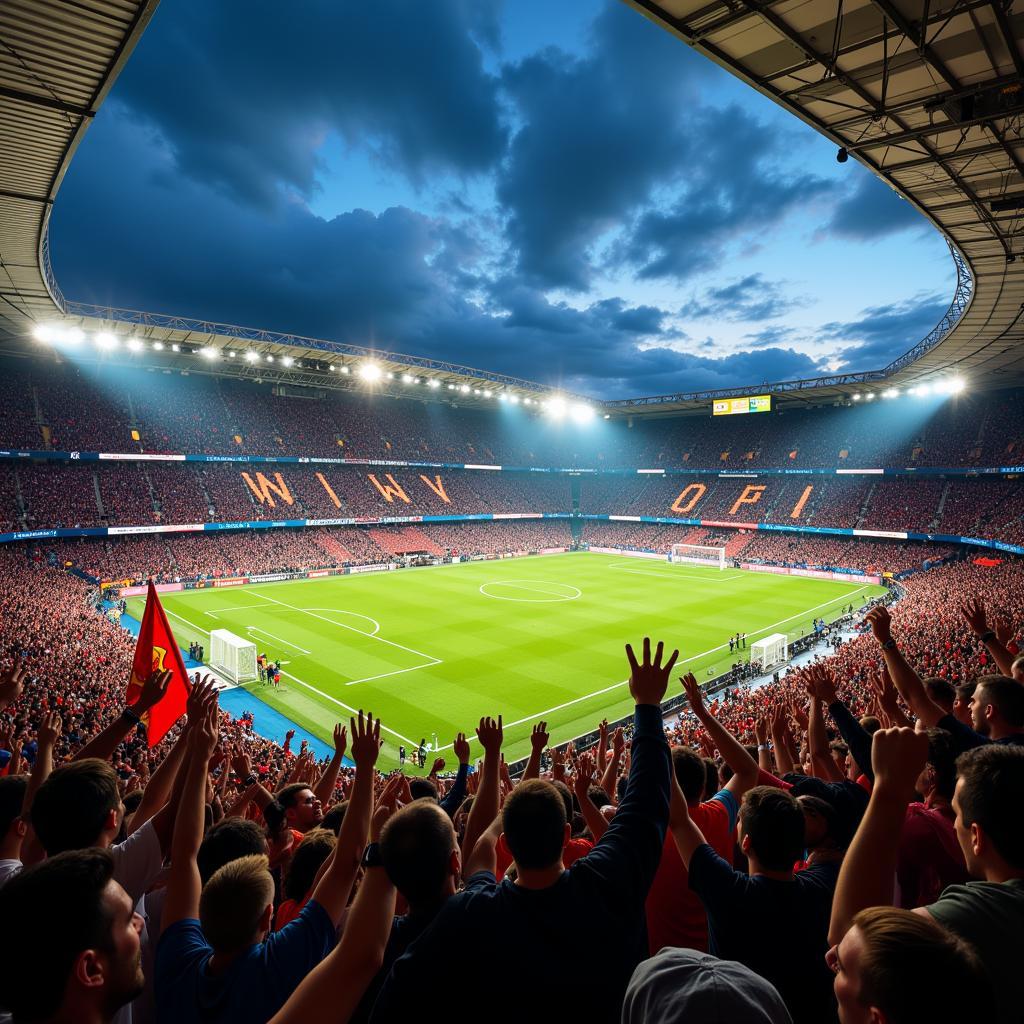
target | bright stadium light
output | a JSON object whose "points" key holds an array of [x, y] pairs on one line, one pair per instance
{"points": [[106, 340], [158, 346], [391, 376], [288, 361], [209, 352], [464, 389], [175, 347], [528, 401], [514, 399], [345, 370], [607, 416], [556, 407], [370, 372], [433, 383], [857, 397], [869, 397], [232, 353], [252, 357], [581, 413], [46, 333], [270, 359], [891, 393], [134, 345]]}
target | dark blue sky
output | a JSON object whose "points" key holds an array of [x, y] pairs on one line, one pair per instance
{"points": [[559, 191]]}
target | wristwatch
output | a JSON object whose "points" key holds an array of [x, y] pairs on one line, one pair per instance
{"points": [[989, 634], [372, 857], [889, 644], [252, 779]]}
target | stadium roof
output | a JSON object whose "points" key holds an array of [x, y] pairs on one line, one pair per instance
{"points": [[930, 99]]}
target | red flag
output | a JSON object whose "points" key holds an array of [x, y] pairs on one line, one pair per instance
{"points": [[156, 651]]}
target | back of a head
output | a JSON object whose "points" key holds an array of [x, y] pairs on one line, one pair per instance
{"points": [[941, 691], [335, 816], [233, 902], [12, 797], [690, 773], [942, 761], [899, 945], [58, 912], [309, 856], [422, 789], [989, 785], [228, 840], [533, 820], [1005, 695], [870, 724], [775, 823], [416, 847], [72, 806], [683, 985]]}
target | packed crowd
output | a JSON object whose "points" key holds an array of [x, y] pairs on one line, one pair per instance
{"points": [[799, 852], [48, 403], [43, 496]]}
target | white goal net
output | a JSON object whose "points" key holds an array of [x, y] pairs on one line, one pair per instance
{"points": [[698, 554], [766, 654], [232, 656]]}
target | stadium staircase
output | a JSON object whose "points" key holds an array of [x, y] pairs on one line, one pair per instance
{"points": [[335, 549], [404, 541]]}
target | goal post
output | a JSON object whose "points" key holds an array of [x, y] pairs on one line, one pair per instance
{"points": [[770, 652], [232, 656], [698, 554]]}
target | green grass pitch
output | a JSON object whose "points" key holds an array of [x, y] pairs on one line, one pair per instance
{"points": [[432, 650]]}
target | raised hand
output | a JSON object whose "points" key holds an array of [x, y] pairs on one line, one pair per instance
{"points": [[461, 748], [760, 731], [693, 693], [1004, 630], [490, 733], [197, 698], [153, 690], [49, 730], [584, 777], [823, 684], [880, 622], [898, 757], [648, 680], [340, 740], [206, 732], [974, 613], [618, 742], [437, 766], [365, 740], [241, 763], [539, 736], [12, 682]]}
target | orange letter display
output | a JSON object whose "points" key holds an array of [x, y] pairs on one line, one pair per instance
{"points": [[263, 487], [701, 490], [799, 506], [389, 493], [437, 486], [751, 496], [329, 490]]}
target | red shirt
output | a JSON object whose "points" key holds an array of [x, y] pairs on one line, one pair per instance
{"points": [[675, 914], [930, 857]]}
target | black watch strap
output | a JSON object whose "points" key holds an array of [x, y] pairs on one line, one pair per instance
{"points": [[989, 634], [888, 645], [371, 856]]}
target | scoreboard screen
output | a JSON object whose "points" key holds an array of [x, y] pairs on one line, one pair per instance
{"points": [[734, 406]]}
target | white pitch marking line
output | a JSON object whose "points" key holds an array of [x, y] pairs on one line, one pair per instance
{"points": [[684, 661], [234, 608], [357, 615], [397, 672], [347, 707], [552, 596], [390, 643], [301, 682], [287, 643]]}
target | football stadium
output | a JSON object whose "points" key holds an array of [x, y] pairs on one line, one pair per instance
{"points": [[489, 470]]}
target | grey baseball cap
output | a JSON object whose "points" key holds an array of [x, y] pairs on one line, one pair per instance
{"points": [[684, 985]]}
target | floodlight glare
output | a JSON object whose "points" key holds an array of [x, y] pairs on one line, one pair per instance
{"points": [[158, 346], [106, 340], [514, 399], [391, 376], [270, 359], [434, 383], [45, 333], [232, 353], [345, 369], [869, 397], [74, 336], [134, 345], [556, 407], [528, 401], [175, 347], [406, 379], [607, 416], [251, 357], [956, 386], [288, 361], [209, 352], [581, 413], [856, 398], [891, 393], [464, 389]]}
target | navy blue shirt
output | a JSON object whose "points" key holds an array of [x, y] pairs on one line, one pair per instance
{"points": [[777, 929], [253, 988], [523, 952]]}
